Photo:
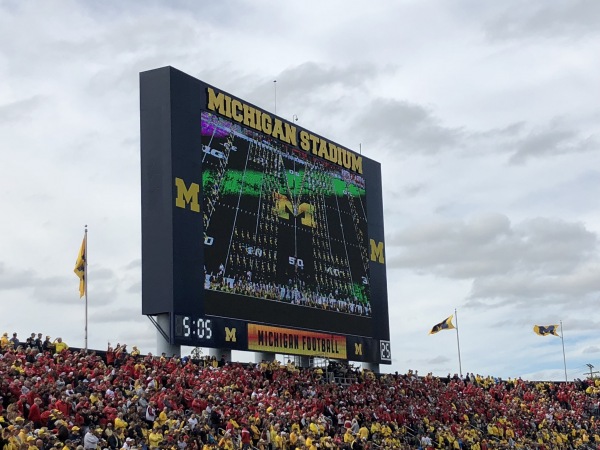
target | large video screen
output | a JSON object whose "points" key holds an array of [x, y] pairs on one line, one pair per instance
{"points": [[281, 225], [257, 234]]}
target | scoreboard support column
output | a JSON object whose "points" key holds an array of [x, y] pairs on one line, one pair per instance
{"points": [[162, 344]]}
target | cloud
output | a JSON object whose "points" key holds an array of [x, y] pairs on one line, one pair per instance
{"points": [[13, 279], [438, 360], [545, 259], [552, 140], [489, 244], [523, 141], [592, 349], [542, 19], [406, 127], [123, 314], [20, 110]]}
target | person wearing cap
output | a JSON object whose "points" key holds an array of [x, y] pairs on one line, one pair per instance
{"points": [[30, 441], [15, 340], [4, 341], [15, 435], [129, 443], [75, 434]]}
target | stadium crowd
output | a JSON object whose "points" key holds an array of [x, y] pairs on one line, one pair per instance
{"points": [[56, 398]]}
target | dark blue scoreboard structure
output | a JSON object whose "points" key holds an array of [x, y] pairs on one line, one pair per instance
{"points": [[257, 234]]}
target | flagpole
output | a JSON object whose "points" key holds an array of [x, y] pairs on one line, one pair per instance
{"points": [[85, 279], [458, 343], [562, 332]]}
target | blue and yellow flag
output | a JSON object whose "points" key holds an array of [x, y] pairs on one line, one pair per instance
{"points": [[546, 330], [80, 268], [445, 325]]}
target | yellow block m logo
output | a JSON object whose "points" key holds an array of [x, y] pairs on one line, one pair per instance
{"points": [[230, 335], [377, 252], [187, 195], [283, 208], [357, 349]]}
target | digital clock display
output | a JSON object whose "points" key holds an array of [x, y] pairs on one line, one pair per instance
{"points": [[209, 331], [194, 328]]}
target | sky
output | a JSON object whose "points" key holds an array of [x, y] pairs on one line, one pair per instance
{"points": [[484, 116]]}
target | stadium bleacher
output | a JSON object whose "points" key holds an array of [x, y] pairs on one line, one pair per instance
{"points": [[119, 399]]}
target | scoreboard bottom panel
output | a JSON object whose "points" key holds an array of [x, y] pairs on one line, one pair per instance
{"points": [[218, 332]]}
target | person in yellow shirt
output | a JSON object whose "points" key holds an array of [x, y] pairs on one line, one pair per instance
{"points": [[363, 432], [279, 441], [17, 366], [23, 433], [59, 345], [313, 443], [120, 423], [155, 438], [348, 436], [234, 424], [327, 442], [4, 341], [386, 430], [293, 439], [162, 417], [31, 443], [308, 442], [93, 398], [226, 442], [375, 428], [313, 427]]}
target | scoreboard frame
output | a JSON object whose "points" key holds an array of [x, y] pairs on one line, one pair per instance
{"points": [[204, 307]]}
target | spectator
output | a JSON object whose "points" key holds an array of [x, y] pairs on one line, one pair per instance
{"points": [[14, 340], [59, 345]]}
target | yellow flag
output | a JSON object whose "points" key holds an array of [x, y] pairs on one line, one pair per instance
{"points": [[546, 330], [80, 268], [444, 325]]}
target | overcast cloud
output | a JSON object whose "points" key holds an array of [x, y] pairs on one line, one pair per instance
{"points": [[484, 115]]}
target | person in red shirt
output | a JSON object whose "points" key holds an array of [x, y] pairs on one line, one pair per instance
{"points": [[63, 406], [35, 413], [246, 438]]}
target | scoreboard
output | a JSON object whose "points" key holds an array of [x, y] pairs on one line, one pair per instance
{"points": [[257, 234]]}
